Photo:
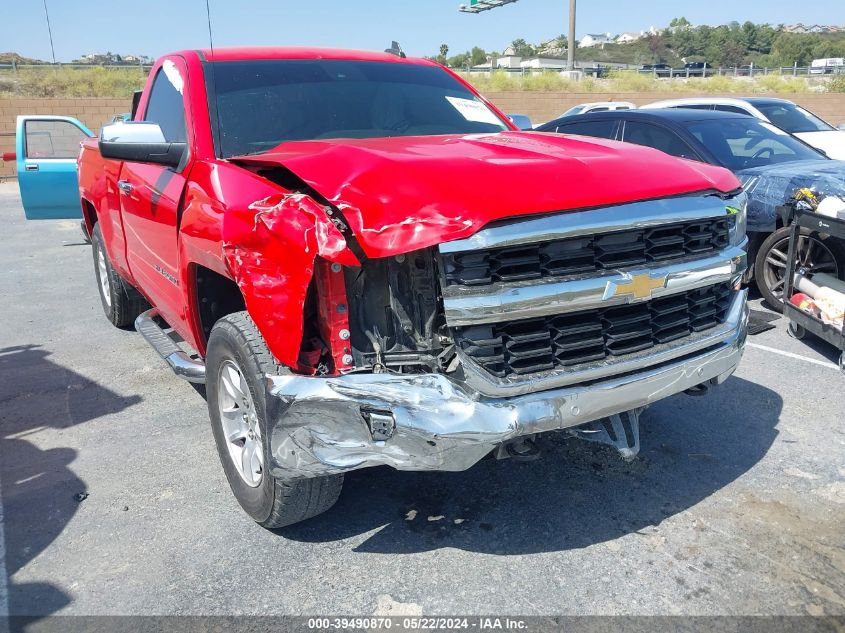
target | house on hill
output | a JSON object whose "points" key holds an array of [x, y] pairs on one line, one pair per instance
{"points": [[627, 38], [595, 39]]}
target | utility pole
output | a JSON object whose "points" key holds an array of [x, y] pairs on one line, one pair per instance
{"points": [[570, 49]]}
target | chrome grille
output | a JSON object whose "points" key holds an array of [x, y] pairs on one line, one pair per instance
{"points": [[586, 254], [576, 339]]}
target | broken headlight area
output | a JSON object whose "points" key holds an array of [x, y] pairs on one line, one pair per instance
{"points": [[396, 320]]}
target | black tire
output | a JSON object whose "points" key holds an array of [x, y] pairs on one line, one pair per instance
{"points": [[272, 503], [121, 302], [826, 256]]}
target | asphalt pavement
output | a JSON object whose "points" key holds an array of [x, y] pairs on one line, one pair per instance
{"points": [[114, 501]]}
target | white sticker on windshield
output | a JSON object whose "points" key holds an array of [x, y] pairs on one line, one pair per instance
{"points": [[773, 128], [474, 110]]}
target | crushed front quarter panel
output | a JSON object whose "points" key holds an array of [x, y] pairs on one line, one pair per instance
{"points": [[271, 247]]}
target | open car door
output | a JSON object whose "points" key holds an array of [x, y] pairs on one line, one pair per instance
{"points": [[46, 148]]}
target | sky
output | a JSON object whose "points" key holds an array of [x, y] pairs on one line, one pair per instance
{"points": [[155, 27]]}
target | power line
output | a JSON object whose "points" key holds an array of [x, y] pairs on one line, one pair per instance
{"points": [[208, 15], [50, 32]]}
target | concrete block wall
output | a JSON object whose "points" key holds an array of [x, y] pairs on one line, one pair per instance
{"points": [[92, 112]]}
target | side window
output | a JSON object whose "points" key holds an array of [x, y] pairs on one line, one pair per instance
{"points": [[605, 128], [694, 106], [52, 139], [165, 105], [730, 108], [658, 138]]}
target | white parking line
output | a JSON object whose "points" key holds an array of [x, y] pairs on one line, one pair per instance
{"points": [[780, 352], [4, 589]]}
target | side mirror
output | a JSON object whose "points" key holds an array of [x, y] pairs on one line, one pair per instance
{"points": [[521, 121], [140, 142]]}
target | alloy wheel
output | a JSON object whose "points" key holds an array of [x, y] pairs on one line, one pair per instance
{"points": [[240, 424], [103, 274], [813, 256]]}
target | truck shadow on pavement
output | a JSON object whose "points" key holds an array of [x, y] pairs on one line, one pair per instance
{"points": [[38, 490], [577, 495]]}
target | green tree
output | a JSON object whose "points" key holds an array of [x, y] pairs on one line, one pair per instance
{"points": [[461, 60], [733, 55], [789, 49], [559, 42], [477, 56], [828, 48], [684, 43], [749, 35], [444, 51], [657, 45], [523, 48], [765, 37]]}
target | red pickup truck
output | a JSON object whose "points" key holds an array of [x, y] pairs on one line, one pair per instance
{"points": [[367, 264]]}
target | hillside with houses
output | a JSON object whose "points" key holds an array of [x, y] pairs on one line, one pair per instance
{"points": [[729, 45]]}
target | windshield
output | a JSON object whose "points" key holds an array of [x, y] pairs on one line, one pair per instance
{"points": [[742, 142], [261, 104], [792, 118]]}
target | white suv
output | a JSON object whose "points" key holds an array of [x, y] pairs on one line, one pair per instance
{"points": [[784, 114], [600, 106]]}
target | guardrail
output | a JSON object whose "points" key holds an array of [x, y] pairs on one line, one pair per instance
{"points": [[596, 70], [675, 73], [15, 67]]}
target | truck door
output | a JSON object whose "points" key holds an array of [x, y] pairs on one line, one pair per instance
{"points": [[150, 196], [46, 148]]}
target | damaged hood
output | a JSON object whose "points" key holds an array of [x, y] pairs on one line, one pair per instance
{"points": [[771, 186], [401, 194]]}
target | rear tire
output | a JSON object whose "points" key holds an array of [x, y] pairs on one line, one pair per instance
{"points": [[121, 302], [236, 363]]}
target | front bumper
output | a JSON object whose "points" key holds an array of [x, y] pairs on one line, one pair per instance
{"points": [[316, 425]]}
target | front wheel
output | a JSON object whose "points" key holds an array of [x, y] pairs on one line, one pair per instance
{"points": [[814, 254], [237, 361]]}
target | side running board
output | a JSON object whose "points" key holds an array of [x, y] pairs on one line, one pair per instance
{"points": [[180, 362]]}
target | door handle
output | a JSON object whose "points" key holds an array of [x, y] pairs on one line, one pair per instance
{"points": [[125, 186], [31, 167]]}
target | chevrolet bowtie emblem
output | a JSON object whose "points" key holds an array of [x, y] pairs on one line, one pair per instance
{"points": [[636, 286]]}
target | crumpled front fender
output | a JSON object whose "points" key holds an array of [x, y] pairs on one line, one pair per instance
{"points": [[271, 247]]}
